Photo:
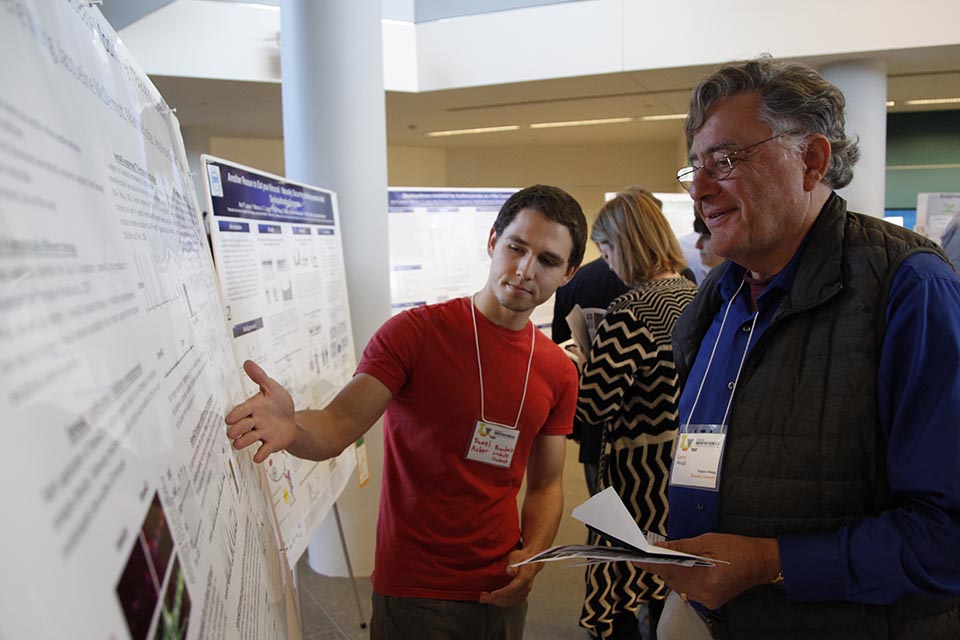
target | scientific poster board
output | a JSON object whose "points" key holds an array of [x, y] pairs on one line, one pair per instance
{"points": [[126, 512], [438, 245], [678, 210], [934, 212], [279, 255]]}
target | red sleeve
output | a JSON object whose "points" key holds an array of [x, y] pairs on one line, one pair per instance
{"points": [[560, 420], [391, 353]]}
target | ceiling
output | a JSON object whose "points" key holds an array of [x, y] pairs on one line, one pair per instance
{"points": [[249, 109]]}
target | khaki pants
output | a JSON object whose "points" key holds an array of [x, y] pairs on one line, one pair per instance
{"points": [[427, 619]]}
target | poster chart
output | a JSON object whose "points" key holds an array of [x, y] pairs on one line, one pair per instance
{"points": [[934, 212], [279, 256], [438, 245], [126, 512]]}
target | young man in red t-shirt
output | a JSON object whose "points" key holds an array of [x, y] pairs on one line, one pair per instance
{"points": [[473, 397]]}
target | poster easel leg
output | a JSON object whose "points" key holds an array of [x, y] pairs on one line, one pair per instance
{"points": [[346, 556]]}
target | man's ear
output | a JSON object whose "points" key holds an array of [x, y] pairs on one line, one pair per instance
{"points": [[491, 241], [816, 160], [570, 273]]}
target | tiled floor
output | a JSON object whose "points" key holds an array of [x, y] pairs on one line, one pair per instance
{"points": [[329, 609]]}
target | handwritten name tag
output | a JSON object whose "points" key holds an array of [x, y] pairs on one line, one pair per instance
{"points": [[493, 444]]}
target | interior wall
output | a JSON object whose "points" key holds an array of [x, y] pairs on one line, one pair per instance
{"points": [[416, 167], [585, 171], [923, 155], [265, 154]]}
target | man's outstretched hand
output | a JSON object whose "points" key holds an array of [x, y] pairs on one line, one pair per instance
{"points": [[267, 417]]}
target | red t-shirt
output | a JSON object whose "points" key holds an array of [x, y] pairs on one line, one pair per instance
{"points": [[447, 523]]}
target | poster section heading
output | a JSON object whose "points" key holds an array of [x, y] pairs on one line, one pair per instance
{"points": [[412, 200], [239, 193]]}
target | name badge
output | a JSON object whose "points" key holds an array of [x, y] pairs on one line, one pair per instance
{"points": [[699, 456], [493, 444]]}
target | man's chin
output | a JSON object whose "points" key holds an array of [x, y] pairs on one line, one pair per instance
{"points": [[723, 249], [517, 304]]}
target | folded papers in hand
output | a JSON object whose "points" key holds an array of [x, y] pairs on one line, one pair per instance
{"points": [[606, 515]]}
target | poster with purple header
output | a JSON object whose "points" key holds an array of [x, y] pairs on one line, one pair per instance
{"points": [[279, 258]]}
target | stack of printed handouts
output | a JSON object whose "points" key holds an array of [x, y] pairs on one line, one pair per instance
{"points": [[606, 514], [583, 323]]}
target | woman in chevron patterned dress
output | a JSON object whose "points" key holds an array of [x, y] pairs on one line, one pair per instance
{"points": [[629, 389]]}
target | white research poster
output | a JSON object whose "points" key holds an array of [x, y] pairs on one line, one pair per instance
{"points": [[934, 213], [438, 245], [126, 512], [279, 257]]}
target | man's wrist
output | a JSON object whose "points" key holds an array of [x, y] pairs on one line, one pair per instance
{"points": [[772, 571], [778, 581]]}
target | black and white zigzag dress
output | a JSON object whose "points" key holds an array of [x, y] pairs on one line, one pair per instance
{"points": [[629, 389]]}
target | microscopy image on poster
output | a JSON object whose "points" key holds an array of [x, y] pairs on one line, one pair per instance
{"points": [[157, 537], [115, 368], [175, 613], [138, 592], [148, 605], [279, 257]]}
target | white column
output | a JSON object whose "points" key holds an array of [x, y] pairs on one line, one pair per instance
{"points": [[864, 84], [196, 142], [334, 128]]}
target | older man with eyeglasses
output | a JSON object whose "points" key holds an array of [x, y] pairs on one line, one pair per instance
{"points": [[821, 397]]}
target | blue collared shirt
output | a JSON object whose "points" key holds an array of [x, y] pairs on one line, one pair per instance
{"points": [[908, 549]]}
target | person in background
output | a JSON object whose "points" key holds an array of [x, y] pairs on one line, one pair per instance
{"points": [[629, 392], [821, 386], [708, 258], [594, 285], [451, 379]]}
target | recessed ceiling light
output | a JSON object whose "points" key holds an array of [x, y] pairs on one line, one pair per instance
{"points": [[578, 123], [461, 132], [891, 103], [933, 101], [670, 116]]}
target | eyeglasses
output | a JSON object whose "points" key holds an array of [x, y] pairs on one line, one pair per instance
{"points": [[718, 164]]}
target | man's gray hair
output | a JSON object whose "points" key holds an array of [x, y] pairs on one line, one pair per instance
{"points": [[793, 98]]}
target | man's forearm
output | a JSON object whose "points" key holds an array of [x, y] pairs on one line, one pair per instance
{"points": [[324, 434], [540, 517], [316, 438]]}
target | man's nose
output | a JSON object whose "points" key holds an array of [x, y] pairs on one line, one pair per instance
{"points": [[525, 267], [702, 185]]}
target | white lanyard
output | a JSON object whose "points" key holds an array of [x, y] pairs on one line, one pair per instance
{"points": [[476, 337], [703, 380]]}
